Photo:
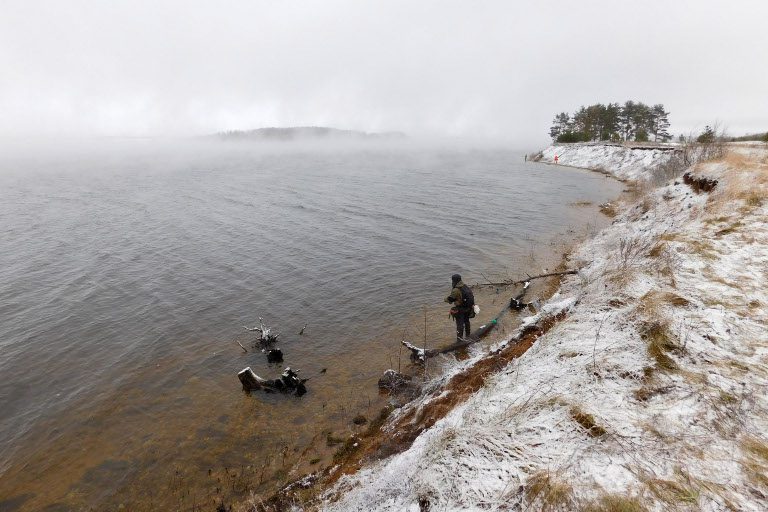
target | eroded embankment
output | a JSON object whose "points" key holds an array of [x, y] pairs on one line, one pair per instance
{"points": [[394, 432], [625, 162], [650, 395]]}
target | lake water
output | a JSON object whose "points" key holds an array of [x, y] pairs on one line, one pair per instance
{"points": [[128, 268]]}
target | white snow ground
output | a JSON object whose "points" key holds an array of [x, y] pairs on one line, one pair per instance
{"points": [[664, 351], [624, 162]]}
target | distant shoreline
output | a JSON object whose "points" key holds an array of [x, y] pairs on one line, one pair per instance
{"points": [[306, 133]]}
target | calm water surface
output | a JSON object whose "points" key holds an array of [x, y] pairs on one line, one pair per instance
{"points": [[128, 270]]}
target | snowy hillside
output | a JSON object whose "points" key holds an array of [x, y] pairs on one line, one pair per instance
{"points": [[649, 395], [624, 162]]}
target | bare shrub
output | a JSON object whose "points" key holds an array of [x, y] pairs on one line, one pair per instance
{"points": [[690, 153], [631, 250]]}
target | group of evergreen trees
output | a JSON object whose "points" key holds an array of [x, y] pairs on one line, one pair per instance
{"points": [[631, 121]]}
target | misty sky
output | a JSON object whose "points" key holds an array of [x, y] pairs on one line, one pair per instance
{"points": [[496, 69]]}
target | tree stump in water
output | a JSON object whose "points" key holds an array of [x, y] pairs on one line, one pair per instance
{"points": [[249, 380]]}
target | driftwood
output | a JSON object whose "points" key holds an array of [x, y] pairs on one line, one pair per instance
{"points": [[527, 279], [288, 382], [266, 336], [419, 354]]}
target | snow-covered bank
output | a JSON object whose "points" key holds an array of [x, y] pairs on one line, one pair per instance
{"points": [[650, 395], [623, 162]]}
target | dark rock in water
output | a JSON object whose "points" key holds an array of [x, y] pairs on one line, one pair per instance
{"points": [[359, 420], [393, 381], [275, 355]]}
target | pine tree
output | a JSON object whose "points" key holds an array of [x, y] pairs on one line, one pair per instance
{"points": [[641, 122], [707, 136], [560, 125], [631, 121], [661, 124], [626, 117], [610, 121]]}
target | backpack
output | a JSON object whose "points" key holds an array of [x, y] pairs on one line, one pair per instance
{"points": [[468, 301]]}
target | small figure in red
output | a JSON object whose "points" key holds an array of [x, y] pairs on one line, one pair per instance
{"points": [[555, 158]]}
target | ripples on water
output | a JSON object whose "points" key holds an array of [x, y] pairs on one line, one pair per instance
{"points": [[125, 273]]}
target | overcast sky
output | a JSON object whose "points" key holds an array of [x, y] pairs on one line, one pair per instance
{"points": [[497, 69]]}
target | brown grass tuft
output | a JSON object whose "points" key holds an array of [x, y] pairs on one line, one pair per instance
{"points": [[660, 342], [551, 495], [756, 447], [671, 492], [615, 503], [587, 421]]}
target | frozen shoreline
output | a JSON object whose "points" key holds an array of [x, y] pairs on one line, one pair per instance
{"points": [[650, 393]]}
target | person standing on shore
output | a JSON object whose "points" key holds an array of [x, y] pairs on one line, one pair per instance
{"points": [[463, 306], [556, 159]]}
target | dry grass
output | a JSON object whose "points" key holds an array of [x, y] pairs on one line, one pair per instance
{"points": [[670, 491], [615, 503], [746, 183], [542, 489], [652, 304], [658, 249], [756, 466], [660, 341], [756, 447], [729, 229], [646, 392], [702, 248], [609, 209], [587, 421]]}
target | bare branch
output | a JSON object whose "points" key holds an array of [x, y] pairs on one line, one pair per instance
{"points": [[529, 278]]}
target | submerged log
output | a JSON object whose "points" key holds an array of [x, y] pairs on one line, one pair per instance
{"points": [[516, 303], [418, 354]]}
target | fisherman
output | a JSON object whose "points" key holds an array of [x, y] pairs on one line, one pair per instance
{"points": [[463, 306], [556, 158]]}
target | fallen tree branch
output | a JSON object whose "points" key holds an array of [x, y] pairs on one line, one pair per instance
{"points": [[241, 346], [530, 278]]}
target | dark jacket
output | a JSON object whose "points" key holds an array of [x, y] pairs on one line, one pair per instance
{"points": [[455, 297]]}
